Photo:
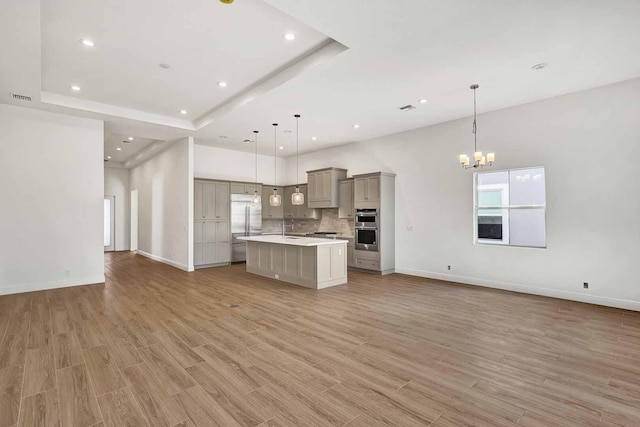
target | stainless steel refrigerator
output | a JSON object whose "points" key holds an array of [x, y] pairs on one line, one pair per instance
{"points": [[246, 220]]}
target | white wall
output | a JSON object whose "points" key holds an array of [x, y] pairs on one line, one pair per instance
{"points": [[589, 143], [218, 163], [51, 181], [116, 183], [165, 204]]}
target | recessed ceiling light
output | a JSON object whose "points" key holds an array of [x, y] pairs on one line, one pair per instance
{"points": [[165, 66], [75, 88], [130, 138], [87, 43], [356, 126], [539, 66], [422, 101], [119, 149], [183, 112], [281, 147], [222, 84], [314, 138], [289, 36], [247, 141], [108, 157]]}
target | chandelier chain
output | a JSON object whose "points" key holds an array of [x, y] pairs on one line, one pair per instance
{"points": [[475, 125]]}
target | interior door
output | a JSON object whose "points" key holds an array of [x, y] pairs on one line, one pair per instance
{"points": [[133, 244], [109, 223]]}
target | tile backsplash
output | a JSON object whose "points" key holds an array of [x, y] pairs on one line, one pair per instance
{"points": [[328, 221]]}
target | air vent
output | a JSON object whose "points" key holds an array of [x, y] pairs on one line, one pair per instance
{"points": [[407, 108], [106, 160], [125, 141], [21, 97]]}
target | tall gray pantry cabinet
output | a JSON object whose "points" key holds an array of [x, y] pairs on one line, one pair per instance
{"points": [[212, 239]]}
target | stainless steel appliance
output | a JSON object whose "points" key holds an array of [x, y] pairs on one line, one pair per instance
{"points": [[366, 239], [246, 220], [367, 218]]}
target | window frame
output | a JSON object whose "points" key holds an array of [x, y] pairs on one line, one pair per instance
{"points": [[508, 208]]}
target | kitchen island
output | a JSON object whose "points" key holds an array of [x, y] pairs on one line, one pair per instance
{"points": [[304, 261]]}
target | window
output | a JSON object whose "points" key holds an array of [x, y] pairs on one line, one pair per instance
{"points": [[510, 208]]}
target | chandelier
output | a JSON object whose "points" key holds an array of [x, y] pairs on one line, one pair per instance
{"points": [[480, 161]]}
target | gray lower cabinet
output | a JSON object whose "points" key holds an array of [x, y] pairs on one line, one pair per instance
{"points": [[310, 266], [212, 244], [366, 260]]}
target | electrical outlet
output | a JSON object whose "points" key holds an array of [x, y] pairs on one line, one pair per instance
{"points": [[277, 276], [585, 285], [67, 273], [448, 267], [409, 227]]}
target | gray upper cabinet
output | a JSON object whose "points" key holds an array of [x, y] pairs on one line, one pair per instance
{"points": [[211, 200], [367, 190], [223, 202], [245, 187], [268, 211], [346, 208], [289, 209], [198, 197], [323, 187]]}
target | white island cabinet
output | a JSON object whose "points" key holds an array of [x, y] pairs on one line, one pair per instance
{"points": [[313, 263]]}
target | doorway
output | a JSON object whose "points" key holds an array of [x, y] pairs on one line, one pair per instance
{"points": [[109, 223], [133, 246]]}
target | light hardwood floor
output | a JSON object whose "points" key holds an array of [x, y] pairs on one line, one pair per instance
{"points": [[156, 346]]}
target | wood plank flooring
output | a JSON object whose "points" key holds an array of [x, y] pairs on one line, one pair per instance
{"points": [[159, 347]]}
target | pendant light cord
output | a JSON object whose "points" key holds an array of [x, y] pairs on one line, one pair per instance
{"points": [[275, 158], [256, 142], [297, 116]]}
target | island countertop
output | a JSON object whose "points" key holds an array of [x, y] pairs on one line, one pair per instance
{"points": [[292, 240]]}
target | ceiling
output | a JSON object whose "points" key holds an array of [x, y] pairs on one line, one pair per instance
{"points": [[352, 62], [119, 148]]}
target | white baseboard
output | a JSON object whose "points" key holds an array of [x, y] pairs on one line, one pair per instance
{"points": [[546, 292], [171, 262], [41, 286]]}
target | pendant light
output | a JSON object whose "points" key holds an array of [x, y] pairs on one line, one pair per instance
{"points": [[480, 161], [256, 199], [297, 198], [275, 199]]}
